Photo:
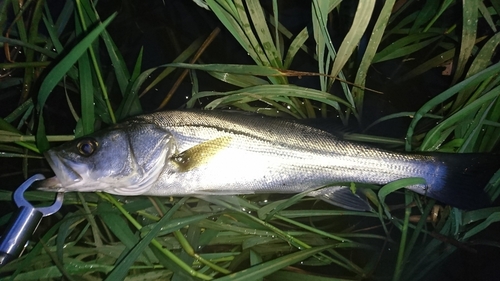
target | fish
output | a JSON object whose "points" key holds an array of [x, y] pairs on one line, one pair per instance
{"points": [[217, 152]]}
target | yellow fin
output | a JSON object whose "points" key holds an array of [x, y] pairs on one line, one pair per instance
{"points": [[200, 154]]}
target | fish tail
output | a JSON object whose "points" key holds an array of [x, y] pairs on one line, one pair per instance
{"points": [[466, 176]]}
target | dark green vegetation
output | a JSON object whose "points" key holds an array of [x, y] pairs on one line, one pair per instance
{"points": [[69, 59]]}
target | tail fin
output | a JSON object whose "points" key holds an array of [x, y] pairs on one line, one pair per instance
{"points": [[467, 175]]}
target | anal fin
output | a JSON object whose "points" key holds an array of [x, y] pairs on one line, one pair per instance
{"points": [[344, 197]]}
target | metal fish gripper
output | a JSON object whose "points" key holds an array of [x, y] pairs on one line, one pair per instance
{"points": [[24, 222]]}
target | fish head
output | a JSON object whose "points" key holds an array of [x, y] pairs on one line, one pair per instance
{"points": [[126, 159]]}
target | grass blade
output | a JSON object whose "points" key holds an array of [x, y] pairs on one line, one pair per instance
{"points": [[482, 60], [438, 134], [58, 72], [121, 269], [264, 269], [351, 40], [472, 81], [469, 29], [405, 46], [371, 49], [86, 89], [494, 217], [266, 41]]}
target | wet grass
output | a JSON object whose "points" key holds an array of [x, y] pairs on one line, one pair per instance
{"points": [[260, 237]]}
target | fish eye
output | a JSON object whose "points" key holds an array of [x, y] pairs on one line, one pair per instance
{"points": [[87, 147]]}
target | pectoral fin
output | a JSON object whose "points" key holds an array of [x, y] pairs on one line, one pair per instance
{"points": [[200, 154]]}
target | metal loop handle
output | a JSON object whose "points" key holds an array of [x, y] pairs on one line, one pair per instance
{"points": [[24, 222]]}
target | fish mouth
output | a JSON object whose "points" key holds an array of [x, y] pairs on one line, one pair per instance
{"points": [[65, 176], [50, 184]]}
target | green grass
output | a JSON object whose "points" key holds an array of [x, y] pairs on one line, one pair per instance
{"points": [[258, 237]]}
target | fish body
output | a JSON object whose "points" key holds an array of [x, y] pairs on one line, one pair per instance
{"points": [[177, 153]]}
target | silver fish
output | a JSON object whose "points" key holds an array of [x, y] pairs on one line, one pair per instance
{"points": [[178, 153]]}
